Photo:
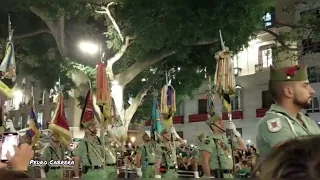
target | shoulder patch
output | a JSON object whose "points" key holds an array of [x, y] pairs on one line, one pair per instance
{"points": [[274, 125], [207, 141]]}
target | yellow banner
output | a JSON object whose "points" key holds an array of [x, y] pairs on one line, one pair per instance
{"points": [[6, 90]]}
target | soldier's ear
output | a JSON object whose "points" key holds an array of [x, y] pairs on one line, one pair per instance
{"points": [[288, 91]]}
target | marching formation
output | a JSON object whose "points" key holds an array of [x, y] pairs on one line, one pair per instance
{"points": [[97, 156]]}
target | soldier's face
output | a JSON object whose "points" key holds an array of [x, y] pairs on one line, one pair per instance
{"points": [[92, 129], [303, 94]]}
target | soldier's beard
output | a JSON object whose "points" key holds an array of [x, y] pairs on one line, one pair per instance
{"points": [[304, 105]]}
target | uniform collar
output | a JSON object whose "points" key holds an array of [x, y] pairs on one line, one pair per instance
{"points": [[277, 108]]}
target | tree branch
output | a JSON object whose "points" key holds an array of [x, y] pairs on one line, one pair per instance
{"points": [[30, 34], [107, 10], [131, 72], [139, 97], [117, 56], [280, 40], [56, 27]]}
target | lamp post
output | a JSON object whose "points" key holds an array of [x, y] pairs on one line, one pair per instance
{"points": [[91, 48]]}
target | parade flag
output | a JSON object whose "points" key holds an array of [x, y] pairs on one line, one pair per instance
{"points": [[104, 100], [224, 80], [34, 129], [87, 115], [8, 71], [168, 105], [59, 123], [155, 119]]}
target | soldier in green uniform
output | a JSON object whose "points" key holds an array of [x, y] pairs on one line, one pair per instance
{"points": [[292, 92], [165, 162], [55, 151], [145, 158], [196, 155], [111, 158], [90, 151], [217, 160]]}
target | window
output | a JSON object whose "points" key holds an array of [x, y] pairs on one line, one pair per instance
{"points": [[310, 46], [202, 106], [267, 100], [268, 18], [314, 108], [235, 100], [314, 74], [40, 118], [265, 56], [237, 69]]}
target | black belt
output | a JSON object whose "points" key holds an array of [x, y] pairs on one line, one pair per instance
{"points": [[110, 164], [225, 171], [94, 167], [171, 167], [54, 167], [150, 164]]}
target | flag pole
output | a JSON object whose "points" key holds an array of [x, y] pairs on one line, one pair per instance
{"points": [[230, 132]]}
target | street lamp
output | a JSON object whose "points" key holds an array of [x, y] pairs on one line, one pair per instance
{"points": [[89, 47], [133, 139]]}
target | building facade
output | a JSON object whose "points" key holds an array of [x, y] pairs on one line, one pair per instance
{"points": [[251, 67]]}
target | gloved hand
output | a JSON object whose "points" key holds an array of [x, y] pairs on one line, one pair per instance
{"points": [[139, 172], [232, 127], [157, 176]]}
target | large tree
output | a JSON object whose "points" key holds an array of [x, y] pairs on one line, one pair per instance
{"points": [[148, 38], [296, 37]]}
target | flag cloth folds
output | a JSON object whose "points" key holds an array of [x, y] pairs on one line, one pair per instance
{"points": [[59, 123], [104, 100], [34, 128], [155, 118], [87, 115], [168, 105], [224, 79], [8, 71]]}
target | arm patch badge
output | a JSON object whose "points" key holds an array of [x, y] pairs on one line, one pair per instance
{"points": [[274, 125]]}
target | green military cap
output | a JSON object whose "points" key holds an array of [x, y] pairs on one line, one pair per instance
{"points": [[293, 73], [213, 120], [164, 131]]}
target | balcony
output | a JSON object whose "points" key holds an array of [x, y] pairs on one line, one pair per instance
{"points": [[235, 115], [260, 68], [198, 118], [176, 120], [261, 112]]}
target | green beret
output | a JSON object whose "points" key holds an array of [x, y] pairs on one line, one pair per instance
{"points": [[293, 73], [212, 120]]}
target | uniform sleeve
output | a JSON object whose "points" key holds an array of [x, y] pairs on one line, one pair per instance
{"points": [[46, 154], [139, 150], [80, 149], [208, 146], [275, 136], [158, 151], [315, 127]]}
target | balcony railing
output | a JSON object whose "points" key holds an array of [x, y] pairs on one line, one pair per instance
{"points": [[235, 115], [176, 120], [261, 112]]}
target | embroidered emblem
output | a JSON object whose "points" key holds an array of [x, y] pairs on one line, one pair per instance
{"points": [[274, 125], [207, 141]]}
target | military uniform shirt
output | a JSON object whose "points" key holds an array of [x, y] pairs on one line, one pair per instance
{"points": [[277, 126], [210, 146], [147, 148], [111, 155], [51, 153], [81, 151], [165, 154]]}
